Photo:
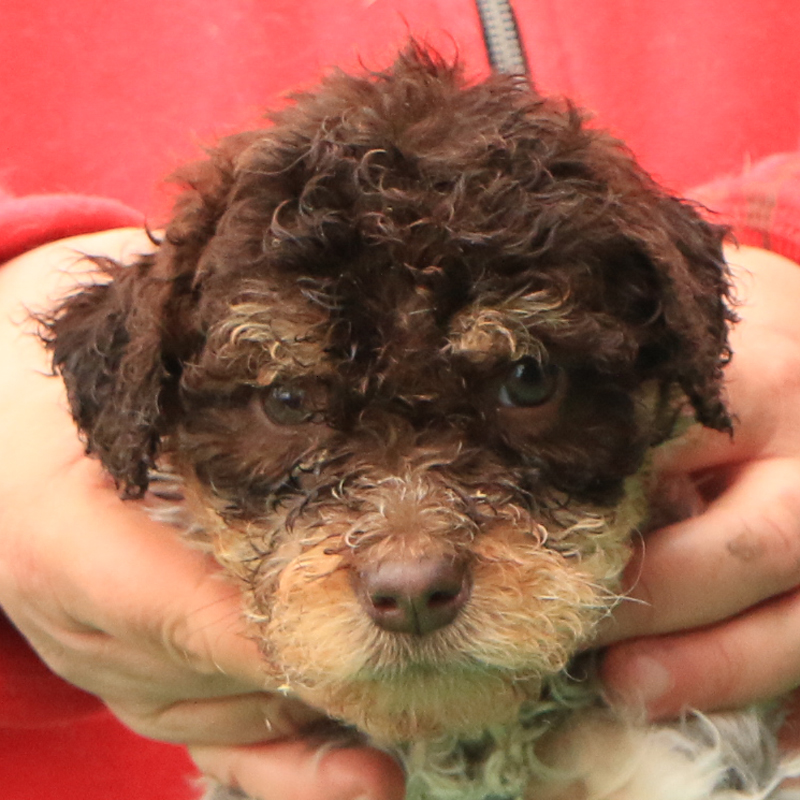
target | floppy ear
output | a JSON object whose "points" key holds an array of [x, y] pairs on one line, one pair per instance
{"points": [[121, 343], [697, 308], [108, 343]]}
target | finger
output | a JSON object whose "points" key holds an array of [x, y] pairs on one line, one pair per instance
{"points": [[173, 595], [241, 720], [698, 449], [755, 409], [744, 549], [170, 621], [706, 669], [762, 385], [299, 770], [110, 666]]}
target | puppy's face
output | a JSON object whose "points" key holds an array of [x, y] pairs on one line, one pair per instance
{"points": [[409, 348]]}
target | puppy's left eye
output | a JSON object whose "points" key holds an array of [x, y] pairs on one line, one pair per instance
{"points": [[529, 384]]}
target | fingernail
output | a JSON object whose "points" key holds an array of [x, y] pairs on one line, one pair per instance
{"points": [[646, 682]]}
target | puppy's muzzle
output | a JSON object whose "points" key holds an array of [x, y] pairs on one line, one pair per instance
{"points": [[413, 596]]}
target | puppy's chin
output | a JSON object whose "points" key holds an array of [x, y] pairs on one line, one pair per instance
{"points": [[424, 703], [529, 610], [535, 595]]}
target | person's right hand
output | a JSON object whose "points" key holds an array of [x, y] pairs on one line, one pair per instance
{"points": [[120, 606]]}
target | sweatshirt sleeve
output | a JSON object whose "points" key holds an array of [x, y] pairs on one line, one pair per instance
{"points": [[28, 222], [761, 205], [31, 696]]}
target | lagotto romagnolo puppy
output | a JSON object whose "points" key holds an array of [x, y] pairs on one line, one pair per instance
{"points": [[408, 349]]}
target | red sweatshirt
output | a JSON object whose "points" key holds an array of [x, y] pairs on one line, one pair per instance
{"points": [[103, 99]]}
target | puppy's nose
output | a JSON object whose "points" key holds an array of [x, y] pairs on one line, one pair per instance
{"points": [[415, 597]]}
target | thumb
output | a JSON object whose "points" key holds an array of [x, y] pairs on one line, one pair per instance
{"points": [[722, 589], [304, 770], [743, 549], [738, 662]]}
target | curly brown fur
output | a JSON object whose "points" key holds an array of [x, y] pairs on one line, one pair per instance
{"points": [[414, 321]]}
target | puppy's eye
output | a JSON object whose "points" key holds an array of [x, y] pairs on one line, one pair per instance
{"points": [[287, 405], [529, 383]]}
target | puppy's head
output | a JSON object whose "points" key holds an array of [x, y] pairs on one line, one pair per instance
{"points": [[408, 348]]}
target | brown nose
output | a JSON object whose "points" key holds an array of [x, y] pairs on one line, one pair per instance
{"points": [[416, 597]]}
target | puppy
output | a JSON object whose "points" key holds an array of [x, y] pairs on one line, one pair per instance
{"points": [[408, 350]]}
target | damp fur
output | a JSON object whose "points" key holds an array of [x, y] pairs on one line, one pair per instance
{"points": [[419, 319]]}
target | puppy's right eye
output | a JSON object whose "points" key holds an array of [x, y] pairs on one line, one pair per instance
{"points": [[530, 384], [287, 405], [529, 397]]}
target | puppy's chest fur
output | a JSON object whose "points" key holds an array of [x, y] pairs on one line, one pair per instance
{"points": [[408, 350]]}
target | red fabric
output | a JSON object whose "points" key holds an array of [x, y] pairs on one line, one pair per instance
{"points": [[92, 758], [30, 695], [762, 205], [696, 89], [27, 222], [104, 99]]}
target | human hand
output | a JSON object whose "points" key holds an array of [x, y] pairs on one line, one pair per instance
{"points": [[717, 622], [117, 604]]}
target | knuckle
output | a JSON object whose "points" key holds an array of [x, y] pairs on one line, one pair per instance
{"points": [[720, 676], [771, 544], [77, 658], [174, 721], [239, 720], [192, 633], [151, 722], [188, 643], [759, 523]]}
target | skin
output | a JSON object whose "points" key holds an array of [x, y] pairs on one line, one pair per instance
{"points": [[119, 606], [721, 588]]}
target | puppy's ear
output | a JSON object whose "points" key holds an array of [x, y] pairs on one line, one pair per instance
{"points": [[108, 342], [697, 308], [121, 343]]}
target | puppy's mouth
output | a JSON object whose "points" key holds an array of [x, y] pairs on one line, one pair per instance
{"points": [[395, 609], [409, 645]]}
